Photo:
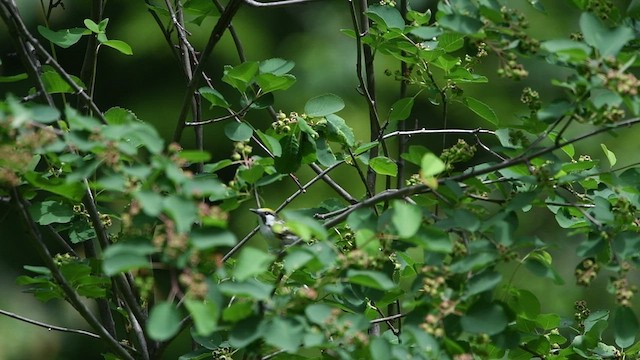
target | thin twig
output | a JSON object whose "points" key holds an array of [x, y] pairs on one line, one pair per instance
{"points": [[49, 326]]}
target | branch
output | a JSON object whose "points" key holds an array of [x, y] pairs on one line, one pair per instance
{"points": [[420, 189], [23, 32], [216, 34], [49, 326], [70, 294], [287, 201]]}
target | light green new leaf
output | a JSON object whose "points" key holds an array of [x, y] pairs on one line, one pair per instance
{"points": [[431, 165], [119, 45], [406, 218], [481, 109], [384, 166], [610, 155], [164, 321], [323, 105]]}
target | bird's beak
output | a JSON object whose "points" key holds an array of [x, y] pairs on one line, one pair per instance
{"points": [[254, 210]]}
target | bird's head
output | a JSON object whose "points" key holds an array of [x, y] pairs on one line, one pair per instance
{"points": [[267, 216]]}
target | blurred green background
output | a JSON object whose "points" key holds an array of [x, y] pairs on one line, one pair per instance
{"points": [[150, 84]]}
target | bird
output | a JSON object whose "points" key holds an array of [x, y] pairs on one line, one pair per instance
{"points": [[273, 228]]}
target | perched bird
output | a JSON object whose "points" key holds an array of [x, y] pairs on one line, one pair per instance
{"points": [[274, 229]]}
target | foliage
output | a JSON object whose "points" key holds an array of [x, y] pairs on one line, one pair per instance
{"points": [[410, 271]]}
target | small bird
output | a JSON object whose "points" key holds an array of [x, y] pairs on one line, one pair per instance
{"points": [[273, 228]]}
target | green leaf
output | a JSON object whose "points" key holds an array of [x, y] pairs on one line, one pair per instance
{"points": [[484, 281], [284, 333], [119, 116], [271, 142], [461, 23], [14, 78], [324, 153], [204, 314], [609, 42], [323, 105], [251, 288], [296, 259], [119, 45], [339, 130], [372, 279], [426, 32], [450, 42], [387, 16], [269, 82], [539, 263], [164, 321], [566, 49], [55, 84], [401, 109], [481, 109], [240, 76], [610, 155], [238, 131], [151, 202], [214, 97], [194, 156], [237, 311], [290, 160], [73, 191], [431, 165], [245, 332], [252, 262], [184, 212], [208, 238], [51, 212], [625, 326], [379, 349], [384, 166], [318, 313], [276, 66], [121, 257], [63, 38], [406, 218], [484, 318]]}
